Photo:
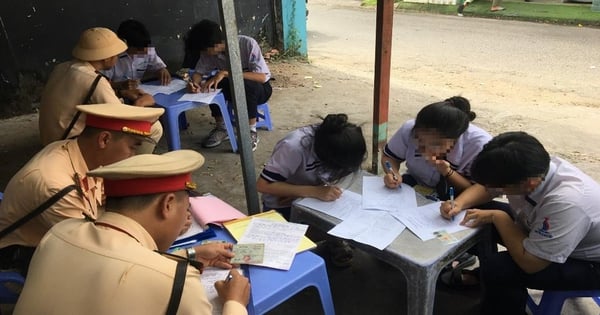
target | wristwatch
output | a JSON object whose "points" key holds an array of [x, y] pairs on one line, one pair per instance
{"points": [[191, 253]]}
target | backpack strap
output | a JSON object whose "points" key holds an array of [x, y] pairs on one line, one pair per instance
{"points": [[86, 100], [41, 208], [177, 289]]}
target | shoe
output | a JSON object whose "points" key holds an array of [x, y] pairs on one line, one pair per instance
{"points": [[461, 278], [460, 9], [461, 262], [254, 140], [340, 253], [215, 137]]}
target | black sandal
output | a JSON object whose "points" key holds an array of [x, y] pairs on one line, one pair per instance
{"points": [[455, 278], [340, 253]]}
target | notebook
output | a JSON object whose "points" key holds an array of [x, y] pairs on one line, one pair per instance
{"points": [[209, 209]]}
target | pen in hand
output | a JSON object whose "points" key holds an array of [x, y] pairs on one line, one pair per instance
{"points": [[388, 166], [228, 278], [451, 193]]}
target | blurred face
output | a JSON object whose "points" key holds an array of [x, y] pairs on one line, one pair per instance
{"points": [[109, 63], [523, 188], [120, 146], [216, 49], [432, 145]]}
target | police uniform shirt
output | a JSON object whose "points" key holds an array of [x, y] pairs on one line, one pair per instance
{"points": [[56, 166], [250, 56], [403, 147], [112, 269], [293, 161], [67, 86], [134, 67], [562, 215]]}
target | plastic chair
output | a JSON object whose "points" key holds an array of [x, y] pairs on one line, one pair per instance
{"points": [[271, 287], [263, 117], [552, 301], [8, 295]]}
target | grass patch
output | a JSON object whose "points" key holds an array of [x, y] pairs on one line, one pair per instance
{"points": [[555, 13]]}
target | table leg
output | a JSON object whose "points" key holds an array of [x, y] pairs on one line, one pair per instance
{"points": [[220, 100], [420, 286]]}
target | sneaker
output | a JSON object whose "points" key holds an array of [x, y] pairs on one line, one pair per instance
{"points": [[254, 139], [460, 9], [215, 137]]}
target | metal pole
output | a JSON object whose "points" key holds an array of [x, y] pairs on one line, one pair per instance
{"points": [[238, 98], [381, 97]]}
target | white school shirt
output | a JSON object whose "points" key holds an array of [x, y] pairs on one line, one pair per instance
{"points": [[250, 56], [403, 147], [562, 215], [295, 162], [134, 67]]}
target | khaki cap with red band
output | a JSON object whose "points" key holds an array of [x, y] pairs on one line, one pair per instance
{"points": [[119, 117], [145, 174]]}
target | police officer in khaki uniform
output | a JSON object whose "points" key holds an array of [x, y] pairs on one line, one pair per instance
{"points": [[115, 265], [113, 132], [79, 81]]}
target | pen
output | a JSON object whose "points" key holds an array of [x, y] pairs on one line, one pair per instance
{"points": [[451, 193], [388, 166], [228, 278]]}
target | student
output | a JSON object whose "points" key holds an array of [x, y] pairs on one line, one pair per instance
{"points": [[309, 162], [80, 81], [554, 242], [139, 61], [438, 148], [117, 264], [207, 39], [112, 132]]}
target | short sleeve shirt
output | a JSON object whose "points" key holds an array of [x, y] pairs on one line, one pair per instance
{"points": [[562, 215], [250, 56], [403, 147], [67, 87], [293, 161], [57, 166], [134, 66]]}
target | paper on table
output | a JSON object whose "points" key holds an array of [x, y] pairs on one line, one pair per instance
{"points": [[174, 86], [209, 276], [205, 98], [341, 208], [210, 209], [376, 196], [280, 238], [376, 228], [425, 220]]}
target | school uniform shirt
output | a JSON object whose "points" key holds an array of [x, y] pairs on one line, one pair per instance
{"points": [[562, 215], [107, 267], [250, 56], [67, 87], [134, 67], [403, 148], [55, 167], [295, 162]]}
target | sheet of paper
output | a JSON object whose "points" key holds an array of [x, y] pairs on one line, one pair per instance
{"points": [[205, 98], [376, 228], [341, 208], [211, 209], [426, 220], [174, 86], [209, 276], [378, 197], [280, 238]]}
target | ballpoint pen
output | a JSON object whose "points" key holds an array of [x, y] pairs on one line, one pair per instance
{"points": [[388, 166], [228, 278], [451, 193]]}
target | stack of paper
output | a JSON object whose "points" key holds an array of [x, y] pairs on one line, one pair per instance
{"points": [[209, 209]]}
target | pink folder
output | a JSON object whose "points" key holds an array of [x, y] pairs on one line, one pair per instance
{"points": [[212, 210]]}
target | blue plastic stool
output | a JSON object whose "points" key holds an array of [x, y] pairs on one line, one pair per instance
{"points": [[271, 287], [8, 296], [552, 301], [263, 116]]}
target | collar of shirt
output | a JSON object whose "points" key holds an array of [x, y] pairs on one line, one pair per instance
{"points": [[540, 191], [89, 185], [131, 228]]}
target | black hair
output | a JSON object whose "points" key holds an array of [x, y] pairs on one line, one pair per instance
{"points": [[203, 35], [340, 146], [134, 33], [510, 158], [450, 118]]}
